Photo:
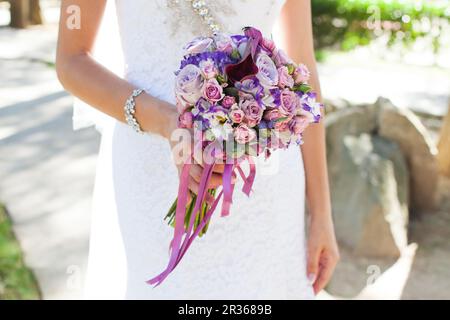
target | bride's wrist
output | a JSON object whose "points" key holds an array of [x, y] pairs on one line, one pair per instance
{"points": [[155, 115]]}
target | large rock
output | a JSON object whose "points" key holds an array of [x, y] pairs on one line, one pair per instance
{"points": [[369, 186], [403, 127], [398, 125]]}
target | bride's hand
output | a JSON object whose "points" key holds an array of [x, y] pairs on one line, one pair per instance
{"points": [[182, 145], [323, 253]]}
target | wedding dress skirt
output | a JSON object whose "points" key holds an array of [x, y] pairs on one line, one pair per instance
{"points": [[257, 252]]}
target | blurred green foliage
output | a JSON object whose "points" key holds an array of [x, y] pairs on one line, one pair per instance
{"points": [[17, 282], [345, 24]]}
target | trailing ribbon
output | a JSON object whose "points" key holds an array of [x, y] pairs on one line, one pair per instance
{"points": [[179, 247]]}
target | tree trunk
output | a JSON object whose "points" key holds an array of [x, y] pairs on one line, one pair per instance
{"points": [[20, 13], [24, 13], [35, 12], [444, 147]]}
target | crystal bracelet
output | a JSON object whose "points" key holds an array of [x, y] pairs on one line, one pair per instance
{"points": [[130, 109]]}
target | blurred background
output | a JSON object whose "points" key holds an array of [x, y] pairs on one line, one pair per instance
{"points": [[385, 72]]}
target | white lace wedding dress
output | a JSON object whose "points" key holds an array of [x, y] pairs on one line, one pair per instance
{"points": [[255, 253]]}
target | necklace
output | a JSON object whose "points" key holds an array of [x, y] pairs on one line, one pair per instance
{"points": [[201, 8]]}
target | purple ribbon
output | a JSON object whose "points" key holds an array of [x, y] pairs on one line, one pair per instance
{"points": [[178, 249]]}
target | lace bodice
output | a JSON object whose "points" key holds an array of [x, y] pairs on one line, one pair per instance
{"points": [[154, 32]]}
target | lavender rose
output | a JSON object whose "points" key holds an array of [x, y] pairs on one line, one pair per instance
{"points": [[243, 134], [267, 74], [212, 90], [284, 78], [252, 110], [189, 84], [289, 103], [198, 45]]}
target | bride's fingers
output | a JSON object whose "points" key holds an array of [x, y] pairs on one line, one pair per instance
{"points": [[196, 174], [218, 168], [326, 266], [194, 187]]}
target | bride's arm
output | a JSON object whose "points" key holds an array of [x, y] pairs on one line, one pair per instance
{"points": [[86, 79], [81, 75], [295, 37]]}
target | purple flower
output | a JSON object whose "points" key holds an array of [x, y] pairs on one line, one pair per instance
{"points": [[267, 74], [244, 69], [189, 84], [212, 90], [252, 110], [310, 107], [285, 79]]}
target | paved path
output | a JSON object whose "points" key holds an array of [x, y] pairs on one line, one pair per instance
{"points": [[47, 170]]}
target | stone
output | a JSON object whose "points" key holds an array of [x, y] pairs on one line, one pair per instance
{"points": [[369, 187], [405, 128], [401, 126], [444, 146]]}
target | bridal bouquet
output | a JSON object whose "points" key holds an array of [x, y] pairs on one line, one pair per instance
{"points": [[242, 97]]}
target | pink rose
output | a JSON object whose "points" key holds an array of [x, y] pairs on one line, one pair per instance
{"points": [[185, 120], [189, 84], [252, 110], [243, 134], [228, 102], [272, 114], [301, 74], [236, 115], [284, 78], [208, 68], [298, 124], [289, 103], [212, 90]]}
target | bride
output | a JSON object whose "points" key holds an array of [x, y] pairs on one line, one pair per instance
{"points": [[259, 251]]}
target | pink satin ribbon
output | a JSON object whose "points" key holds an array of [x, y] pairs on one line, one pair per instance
{"points": [[179, 247]]}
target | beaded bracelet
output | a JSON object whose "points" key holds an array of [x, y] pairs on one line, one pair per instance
{"points": [[130, 109]]}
